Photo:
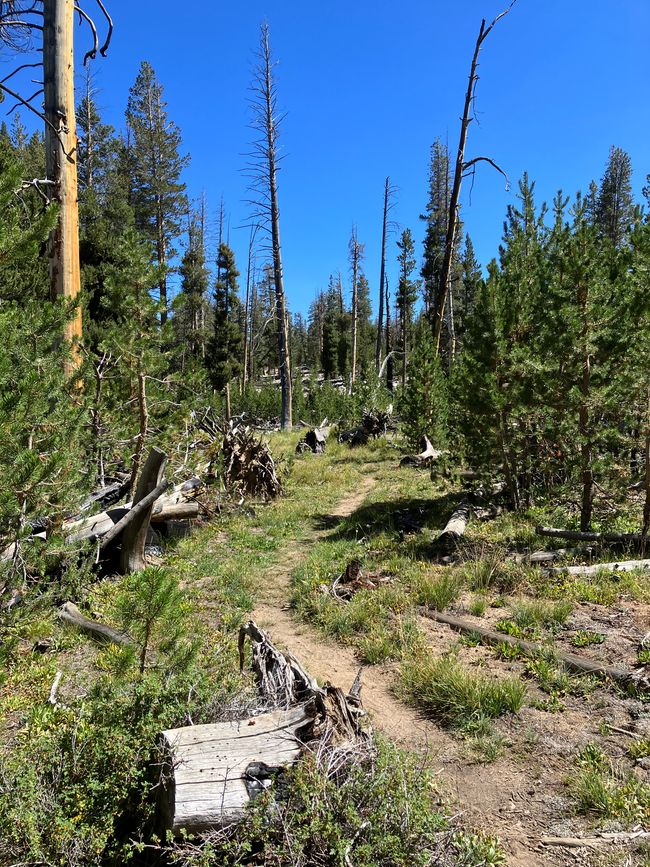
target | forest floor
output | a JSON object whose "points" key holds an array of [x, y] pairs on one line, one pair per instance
{"points": [[556, 768]]}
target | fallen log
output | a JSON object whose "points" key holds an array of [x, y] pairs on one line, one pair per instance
{"points": [[580, 536], [426, 456], [455, 526], [211, 772], [595, 568], [574, 662], [174, 512], [70, 614], [602, 839], [134, 536]]}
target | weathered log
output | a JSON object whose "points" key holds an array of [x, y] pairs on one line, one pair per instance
{"points": [[174, 512], [315, 439], [595, 568], [69, 613], [456, 525], [572, 661], [213, 771], [134, 537], [582, 536], [134, 514], [426, 456]]}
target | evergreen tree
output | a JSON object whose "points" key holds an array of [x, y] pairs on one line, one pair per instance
{"points": [[96, 150], [157, 192], [424, 404], [407, 290], [471, 283], [437, 219], [190, 316], [225, 351], [615, 206]]}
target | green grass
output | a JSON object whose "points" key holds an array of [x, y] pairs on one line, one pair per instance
{"points": [[585, 638], [537, 614], [456, 696], [600, 787], [437, 591]]}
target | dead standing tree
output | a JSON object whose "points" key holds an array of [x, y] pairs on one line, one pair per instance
{"points": [[463, 168], [53, 21], [389, 193], [356, 255], [262, 171]]}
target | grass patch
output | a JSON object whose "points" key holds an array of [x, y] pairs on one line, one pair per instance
{"points": [[535, 614], [477, 605], [585, 638], [598, 786], [437, 592], [454, 695]]}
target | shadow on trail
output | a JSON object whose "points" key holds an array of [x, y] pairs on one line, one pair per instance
{"points": [[400, 517]]}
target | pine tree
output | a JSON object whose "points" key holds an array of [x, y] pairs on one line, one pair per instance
{"points": [[407, 292], [615, 206], [157, 192], [436, 218], [224, 358], [471, 280], [424, 404], [95, 150]]}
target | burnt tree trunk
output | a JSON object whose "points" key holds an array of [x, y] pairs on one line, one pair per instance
{"points": [[135, 534]]}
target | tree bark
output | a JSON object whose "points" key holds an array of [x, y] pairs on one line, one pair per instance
{"points": [[60, 156], [70, 614], [135, 535], [382, 274], [280, 305], [390, 364], [580, 536], [355, 303]]}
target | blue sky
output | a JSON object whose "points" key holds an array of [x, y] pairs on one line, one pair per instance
{"points": [[368, 86]]}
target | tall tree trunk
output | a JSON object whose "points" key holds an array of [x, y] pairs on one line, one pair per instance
{"points": [[389, 358], [280, 305], [460, 169], [60, 155], [355, 305], [583, 419], [646, 506], [247, 311], [382, 273]]}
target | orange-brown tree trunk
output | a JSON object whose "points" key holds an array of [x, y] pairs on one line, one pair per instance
{"points": [[61, 150]]}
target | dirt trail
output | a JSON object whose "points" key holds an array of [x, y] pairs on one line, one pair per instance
{"points": [[507, 798]]}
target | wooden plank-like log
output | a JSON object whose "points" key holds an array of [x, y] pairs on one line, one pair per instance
{"points": [[595, 568], [574, 662], [579, 536], [214, 769], [135, 534], [134, 516], [70, 614]]}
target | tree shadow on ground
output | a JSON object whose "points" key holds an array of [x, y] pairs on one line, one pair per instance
{"points": [[401, 517]]}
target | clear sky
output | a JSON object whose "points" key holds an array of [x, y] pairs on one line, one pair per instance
{"points": [[368, 86]]}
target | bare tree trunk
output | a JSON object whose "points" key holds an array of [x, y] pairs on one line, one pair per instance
{"points": [[382, 273], [390, 364], [280, 306], [247, 310], [460, 169], [60, 155], [354, 250]]}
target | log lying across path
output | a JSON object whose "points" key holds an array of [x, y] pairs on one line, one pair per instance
{"points": [[426, 456], [574, 662], [578, 536], [211, 772]]}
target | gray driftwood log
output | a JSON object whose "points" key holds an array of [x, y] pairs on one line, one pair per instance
{"points": [[211, 772], [595, 568], [455, 526], [580, 536], [426, 456], [574, 662], [71, 615]]}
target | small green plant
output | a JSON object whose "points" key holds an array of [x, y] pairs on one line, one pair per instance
{"points": [[479, 848], [481, 565], [456, 696], [438, 592], [643, 656], [155, 612], [509, 627], [478, 605], [639, 749], [507, 651], [585, 638], [535, 614], [598, 786], [472, 639]]}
